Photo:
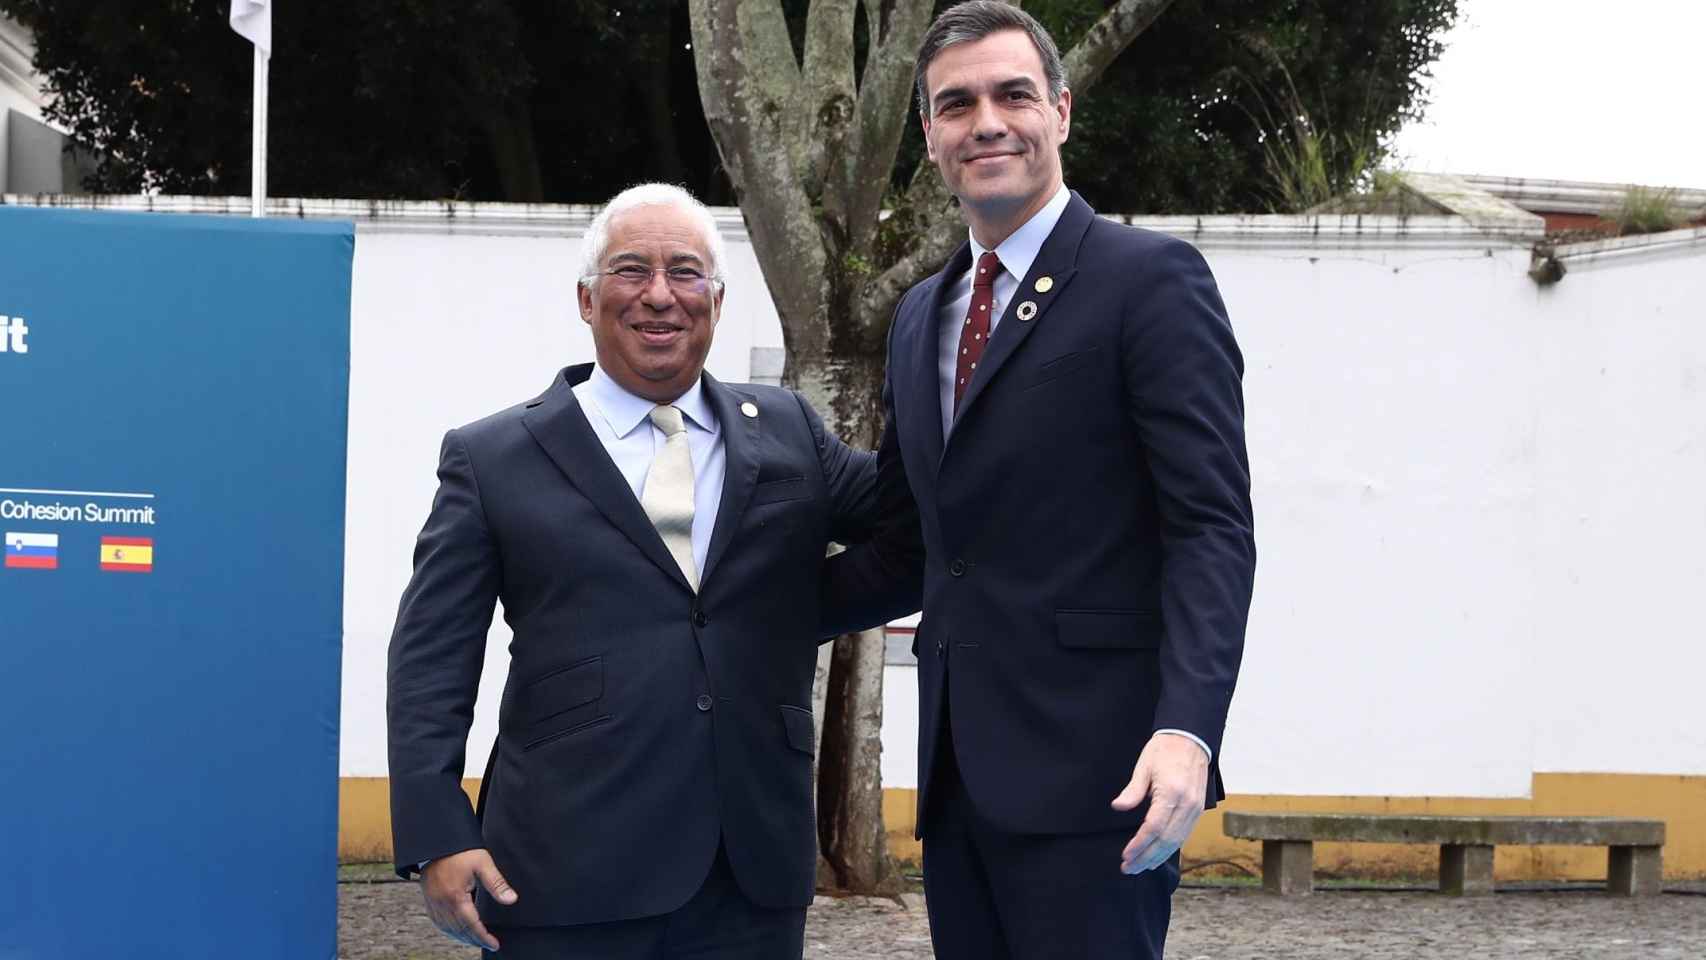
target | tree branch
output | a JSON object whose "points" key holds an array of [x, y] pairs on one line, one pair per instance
{"points": [[1104, 41], [885, 97], [748, 83], [938, 230], [823, 117]]}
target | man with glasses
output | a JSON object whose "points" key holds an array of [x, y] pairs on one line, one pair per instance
{"points": [[657, 540]]}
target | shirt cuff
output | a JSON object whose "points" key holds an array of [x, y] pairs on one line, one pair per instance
{"points": [[1192, 738]]}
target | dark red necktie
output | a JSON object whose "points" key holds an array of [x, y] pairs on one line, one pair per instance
{"points": [[974, 332]]}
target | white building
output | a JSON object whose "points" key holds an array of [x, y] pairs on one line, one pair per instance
{"points": [[1478, 505], [32, 153]]}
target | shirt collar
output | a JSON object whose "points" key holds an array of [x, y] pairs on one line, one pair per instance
{"points": [[1020, 249], [624, 411]]}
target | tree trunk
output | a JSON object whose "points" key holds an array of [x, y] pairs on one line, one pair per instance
{"points": [[514, 153], [851, 834], [848, 698]]}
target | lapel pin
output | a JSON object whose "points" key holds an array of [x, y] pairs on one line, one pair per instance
{"points": [[749, 408], [1028, 309], [1045, 284]]}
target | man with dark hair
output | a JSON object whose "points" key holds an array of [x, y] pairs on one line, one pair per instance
{"points": [[1065, 396]]}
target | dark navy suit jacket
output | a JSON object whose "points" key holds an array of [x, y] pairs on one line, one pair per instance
{"points": [[640, 723], [1087, 524]]}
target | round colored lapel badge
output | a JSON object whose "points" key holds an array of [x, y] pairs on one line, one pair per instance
{"points": [[749, 408], [1027, 311], [1045, 284]]}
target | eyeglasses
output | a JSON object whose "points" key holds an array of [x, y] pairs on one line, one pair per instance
{"points": [[689, 280]]}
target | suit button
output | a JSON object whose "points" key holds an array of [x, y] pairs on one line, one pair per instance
{"points": [[699, 618], [703, 703], [957, 568], [941, 648]]}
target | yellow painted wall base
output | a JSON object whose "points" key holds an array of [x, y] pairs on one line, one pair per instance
{"points": [[364, 826], [364, 817]]}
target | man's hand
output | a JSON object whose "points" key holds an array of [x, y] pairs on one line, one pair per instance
{"points": [[448, 886], [1172, 772]]}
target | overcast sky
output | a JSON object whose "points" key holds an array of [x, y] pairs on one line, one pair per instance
{"points": [[1569, 90]]}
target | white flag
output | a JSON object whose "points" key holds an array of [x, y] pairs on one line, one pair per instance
{"points": [[253, 19]]}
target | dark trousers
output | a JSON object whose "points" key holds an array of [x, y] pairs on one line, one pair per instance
{"points": [[718, 923], [993, 895]]}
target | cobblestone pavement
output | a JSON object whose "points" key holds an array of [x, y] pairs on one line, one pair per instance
{"points": [[384, 921]]}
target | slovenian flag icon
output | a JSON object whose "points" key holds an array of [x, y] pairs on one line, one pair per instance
{"points": [[32, 551]]}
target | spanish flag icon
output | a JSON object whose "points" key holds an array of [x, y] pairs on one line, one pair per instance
{"points": [[127, 554]]}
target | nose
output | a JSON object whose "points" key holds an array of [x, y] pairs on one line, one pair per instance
{"points": [[987, 123], [657, 292]]}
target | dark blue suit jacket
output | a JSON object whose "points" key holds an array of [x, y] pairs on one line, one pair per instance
{"points": [[640, 722], [1087, 523]]}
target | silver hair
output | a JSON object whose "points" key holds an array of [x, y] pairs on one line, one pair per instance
{"points": [[972, 21], [597, 240]]}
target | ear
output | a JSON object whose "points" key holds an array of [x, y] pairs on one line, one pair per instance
{"points": [[717, 304], [583, 294], [1064, 109], [929, 147]]}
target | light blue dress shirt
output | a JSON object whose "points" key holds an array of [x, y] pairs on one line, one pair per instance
{"points": [[622, 422]]}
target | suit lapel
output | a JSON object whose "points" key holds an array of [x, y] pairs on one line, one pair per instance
{"points": [[927, 372], [559, 425], [1057, 260], [740, 468]]}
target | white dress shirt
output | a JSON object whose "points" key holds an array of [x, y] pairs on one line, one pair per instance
{"points": [[622, 422], [1016, 253]]}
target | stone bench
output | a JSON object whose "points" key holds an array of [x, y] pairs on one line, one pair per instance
{"points": [[1634, 865]]}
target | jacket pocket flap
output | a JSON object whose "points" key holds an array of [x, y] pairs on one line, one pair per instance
{"points": [[797, 725], [563, 690], [1108, 629], [775, 491], [1059, 367]]}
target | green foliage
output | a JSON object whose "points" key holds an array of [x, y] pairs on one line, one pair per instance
{"points": [[415, 99], [1647, 210], [367, 873], [1241, 105], [368, 99], [437, 98], [1379, 192], [1305, 166]]}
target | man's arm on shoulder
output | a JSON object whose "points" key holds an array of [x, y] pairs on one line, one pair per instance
{"points": [[433, 674], [879, 577]]}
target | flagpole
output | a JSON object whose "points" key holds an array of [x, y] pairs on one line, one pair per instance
{"points": [[258, 157]]}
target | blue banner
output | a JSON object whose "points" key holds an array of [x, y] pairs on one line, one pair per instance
{"points": [[174, 394]]}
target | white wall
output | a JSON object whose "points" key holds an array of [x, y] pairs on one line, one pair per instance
{"points": [[1478, 554], [1622, 513], [20, 86], [1393, 470], [900, 725]]}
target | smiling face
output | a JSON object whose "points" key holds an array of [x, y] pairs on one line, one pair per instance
{"points": [[652, 336], [992, 131]]}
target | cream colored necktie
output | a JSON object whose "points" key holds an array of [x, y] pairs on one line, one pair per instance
{"points": [[668, 493]]}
